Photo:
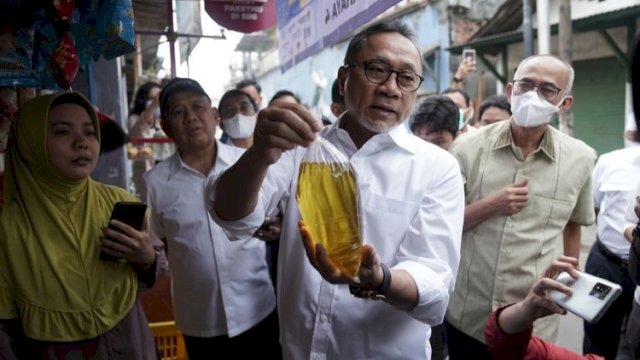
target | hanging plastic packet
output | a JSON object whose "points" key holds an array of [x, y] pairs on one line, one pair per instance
{"points": [[328, 201]]}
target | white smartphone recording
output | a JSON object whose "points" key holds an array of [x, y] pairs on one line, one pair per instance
{"points": [[591, 296], [469, 53]]}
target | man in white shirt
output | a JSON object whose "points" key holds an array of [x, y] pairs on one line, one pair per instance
{"points": [[411, 206], [223, 298], [615, 181]]}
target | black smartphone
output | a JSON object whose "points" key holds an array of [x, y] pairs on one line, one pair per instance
{"points": [[130, 213], [268, 221]]}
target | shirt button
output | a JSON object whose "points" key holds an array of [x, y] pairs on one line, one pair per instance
{"points": [[323, 318]]}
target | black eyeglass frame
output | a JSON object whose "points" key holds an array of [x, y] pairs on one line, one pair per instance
{"points": [[366, 65], [539, 88]]}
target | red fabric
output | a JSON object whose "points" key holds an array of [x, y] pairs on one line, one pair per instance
{"points": [[64, 62], [64, 9], [505, 346]]}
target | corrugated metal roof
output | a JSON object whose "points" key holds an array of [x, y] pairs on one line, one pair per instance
{"points": [[496, 39]]}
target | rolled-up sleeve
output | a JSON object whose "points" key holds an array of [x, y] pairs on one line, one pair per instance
{"points": [[273, 189]]}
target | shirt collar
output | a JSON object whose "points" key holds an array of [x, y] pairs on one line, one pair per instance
{"points": [[504, 138], [399, 135], [224, 158]]}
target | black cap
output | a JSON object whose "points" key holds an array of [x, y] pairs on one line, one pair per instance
{"points": [[177, 85]]}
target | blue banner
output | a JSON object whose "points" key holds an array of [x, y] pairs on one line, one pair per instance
{"points": [[307, 26]]}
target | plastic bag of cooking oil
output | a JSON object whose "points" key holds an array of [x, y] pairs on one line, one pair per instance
{"points": [[328, 201]]}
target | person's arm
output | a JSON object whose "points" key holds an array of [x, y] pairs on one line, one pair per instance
{"points": [[508, 329], [508, 201], [280, 127], [535, 305], [147, 275], [522, 345], [632, 216], [572, 235], [466, 66]]}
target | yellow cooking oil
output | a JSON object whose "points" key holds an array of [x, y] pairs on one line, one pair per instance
{"points": [[327, 199]]}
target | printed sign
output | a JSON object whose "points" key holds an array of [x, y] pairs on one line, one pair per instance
{"points": [[307, 26], [245, 16]]}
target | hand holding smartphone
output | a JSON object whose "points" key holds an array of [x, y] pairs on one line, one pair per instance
{"points": [[591, 296], [469, 54], [130, 213]]}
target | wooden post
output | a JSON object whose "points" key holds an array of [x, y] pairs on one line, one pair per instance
{"points": [[137, 62], [565, 47]]}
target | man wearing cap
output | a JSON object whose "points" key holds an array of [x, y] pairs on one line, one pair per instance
{"points": [[223, 298]]}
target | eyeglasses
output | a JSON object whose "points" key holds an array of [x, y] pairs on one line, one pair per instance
{"points": [[545, 90], [379, 73]]}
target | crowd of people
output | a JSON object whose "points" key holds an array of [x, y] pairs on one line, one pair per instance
{"points": [[466, 218]]}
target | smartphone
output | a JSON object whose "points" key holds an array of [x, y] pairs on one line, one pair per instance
{"points": [[130, 213], [469, 53], [591, 296], [268, 221]]}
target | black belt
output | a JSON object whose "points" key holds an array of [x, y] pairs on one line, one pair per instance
{"points": [[610, 255]]}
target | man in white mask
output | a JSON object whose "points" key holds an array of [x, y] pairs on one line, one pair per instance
{"points": [[238, 112], [528, 192]]}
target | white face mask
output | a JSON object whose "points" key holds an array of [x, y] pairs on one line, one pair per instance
{"points": [[156, 112], [240, 126], [529, 110]]}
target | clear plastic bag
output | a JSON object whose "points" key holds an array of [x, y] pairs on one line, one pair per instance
{"points": [[327, 197]]}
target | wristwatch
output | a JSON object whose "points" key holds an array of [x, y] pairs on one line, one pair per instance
{"points": [[457, 79], [379, 292]]}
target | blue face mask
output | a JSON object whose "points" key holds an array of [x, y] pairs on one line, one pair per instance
{"points": [[461, 119]]}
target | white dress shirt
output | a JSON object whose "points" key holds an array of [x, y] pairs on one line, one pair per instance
{"points": [[411, 211], [219, 286], [615, 181]]}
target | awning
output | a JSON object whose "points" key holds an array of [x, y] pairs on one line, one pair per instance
{"points": [[152, 16], [493, 37]]}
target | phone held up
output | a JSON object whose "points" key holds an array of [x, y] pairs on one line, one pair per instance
{"points": [[469, 53], [130, 213], [591, 296]]}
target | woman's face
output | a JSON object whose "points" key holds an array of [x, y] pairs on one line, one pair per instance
{"points": [[72, 143]]}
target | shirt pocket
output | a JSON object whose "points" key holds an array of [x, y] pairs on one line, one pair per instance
{"points": [[550, 216], [386, 220], [183, 229]]}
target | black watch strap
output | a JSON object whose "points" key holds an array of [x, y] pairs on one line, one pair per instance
{"points": [[374, 292]]}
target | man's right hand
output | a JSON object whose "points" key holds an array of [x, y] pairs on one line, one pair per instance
{"points": [[537, 304], [466, 66], [511, 199], [281, 127]]}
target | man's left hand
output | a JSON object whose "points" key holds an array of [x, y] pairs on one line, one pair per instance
{"points": [[370, 271]]}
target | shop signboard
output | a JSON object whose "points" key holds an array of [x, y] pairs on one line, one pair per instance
{"points": [[245, 16], [307, 26]]}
